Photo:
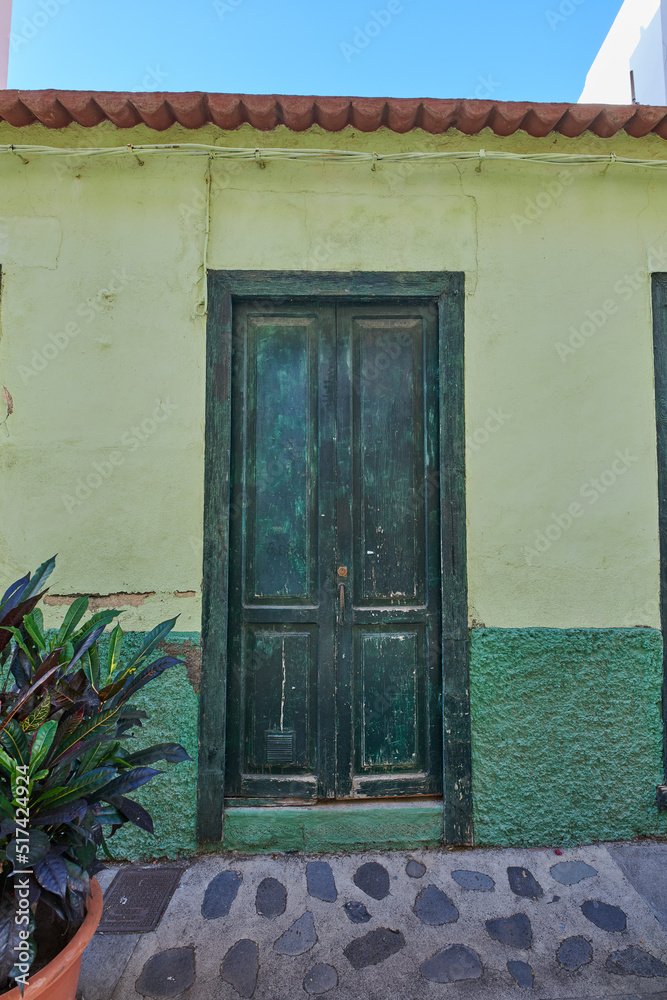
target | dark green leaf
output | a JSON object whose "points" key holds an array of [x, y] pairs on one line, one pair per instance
{"points": [[97, 754], [15, 617], [172, 752], [132, 713], [85, 644], [51, 873], [40, 576], [150, 641], [61, 814], [39, 716], [12, 595], [93, 727], [82, 748], [42, 743], [15, 742], [38, 844], [128, 781], [94, 661], [48, 668], [31, 626], [21, 667], [76, 879], [134, 812], [20, 641], [107, 813], [99, 618], [81, 787], [8, 937], [136, 681], [75, 613], [113, 656], [57, 775]]}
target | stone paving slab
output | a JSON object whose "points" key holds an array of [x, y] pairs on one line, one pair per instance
{"points": [[493, 924], [645, 866]]}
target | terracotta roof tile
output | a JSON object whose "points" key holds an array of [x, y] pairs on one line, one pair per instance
{"points": [[117, 108], [224, 110], [436, 118], [645, 120], [57, 109], [331, 113]]}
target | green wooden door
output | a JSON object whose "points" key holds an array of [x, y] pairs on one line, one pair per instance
{"points": [[334, 601]]}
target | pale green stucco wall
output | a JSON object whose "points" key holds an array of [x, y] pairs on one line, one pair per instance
{"points": [[72, 225], [116, 247]]}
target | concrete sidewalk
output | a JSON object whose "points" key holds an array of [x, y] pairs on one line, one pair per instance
{"points": [[588, 923]]}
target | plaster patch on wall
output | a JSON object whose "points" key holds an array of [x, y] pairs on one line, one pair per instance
{"points": [[190, 652], [346, 227], [138, 612], [98, 602]]}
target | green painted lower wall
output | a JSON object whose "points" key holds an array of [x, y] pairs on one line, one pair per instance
{"points": [[334, 828], [567, 734], [172, 704], [567, 748]]}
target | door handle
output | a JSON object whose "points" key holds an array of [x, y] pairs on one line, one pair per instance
{"points": [[341, 603]]}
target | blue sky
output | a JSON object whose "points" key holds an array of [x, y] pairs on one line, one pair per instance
{"points": [[536, 50]]}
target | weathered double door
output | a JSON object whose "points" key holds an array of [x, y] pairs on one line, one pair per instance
{"points": [[334, 659]]}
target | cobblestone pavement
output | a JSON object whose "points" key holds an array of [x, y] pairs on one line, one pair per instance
{"points": [[496, 924]]}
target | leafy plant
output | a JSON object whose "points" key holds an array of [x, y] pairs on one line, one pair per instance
{"points": [[65, 772]]}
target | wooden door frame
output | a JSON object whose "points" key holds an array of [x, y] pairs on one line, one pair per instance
{"points": [[447, 289], [659, 308]]}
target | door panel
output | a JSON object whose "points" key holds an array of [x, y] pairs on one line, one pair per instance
{"points": [[281, 699], [388, 666], [334, 628], [281, 633], [281, 450], [390, 731], [388, 461]]}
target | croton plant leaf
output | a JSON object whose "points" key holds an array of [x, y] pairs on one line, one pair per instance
{"points": [[65, 729]]}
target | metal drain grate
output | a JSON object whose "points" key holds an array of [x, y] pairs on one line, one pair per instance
{"points": [[137, 898]]}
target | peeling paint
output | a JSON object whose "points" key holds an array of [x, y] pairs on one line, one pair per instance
{"points": [[99, 602], [190, 653]]}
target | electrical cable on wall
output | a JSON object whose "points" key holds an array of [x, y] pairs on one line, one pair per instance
{"points": [[262, 156], [336, 155]]}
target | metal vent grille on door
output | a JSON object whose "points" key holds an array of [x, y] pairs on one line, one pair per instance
{"points": [[280, 747]]}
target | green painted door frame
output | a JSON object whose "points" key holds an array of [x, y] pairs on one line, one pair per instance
{"points": [[659, 303], [274, 289]]}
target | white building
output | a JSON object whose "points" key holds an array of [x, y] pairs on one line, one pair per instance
{"points": [[636, 44], [5, 26]]}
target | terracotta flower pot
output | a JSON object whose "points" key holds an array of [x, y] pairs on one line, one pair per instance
{"points": [[59, 979]]}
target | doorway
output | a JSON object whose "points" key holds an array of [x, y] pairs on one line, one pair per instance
{"points": [[334, 603], [334, 626]]}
